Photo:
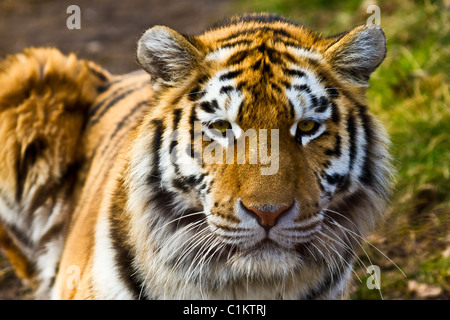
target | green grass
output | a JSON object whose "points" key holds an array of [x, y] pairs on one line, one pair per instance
{"points": [[410, 94]]}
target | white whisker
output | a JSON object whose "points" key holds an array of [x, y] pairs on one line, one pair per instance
{"points": [[368, 242]]}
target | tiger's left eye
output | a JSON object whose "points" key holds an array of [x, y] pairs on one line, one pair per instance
{"points": [[307, 126], [221, 126]]}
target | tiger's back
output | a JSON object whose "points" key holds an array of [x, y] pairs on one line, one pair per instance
{"points": [[90, 130], [145, 187]]}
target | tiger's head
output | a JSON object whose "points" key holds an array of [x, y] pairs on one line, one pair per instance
{"points": [[259, 157]]}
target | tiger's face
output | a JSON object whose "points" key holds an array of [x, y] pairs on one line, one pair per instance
{"points": [[262, 151], [266, 186]]}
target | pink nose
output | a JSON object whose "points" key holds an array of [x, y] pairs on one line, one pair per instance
{"points": [[267, 218]]}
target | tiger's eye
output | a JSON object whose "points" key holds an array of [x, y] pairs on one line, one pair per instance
{"points": [[306, 126], [222, 126]]}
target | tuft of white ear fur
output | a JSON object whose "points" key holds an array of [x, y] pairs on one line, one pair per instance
{"points": [[358, 53], [166, 55]]}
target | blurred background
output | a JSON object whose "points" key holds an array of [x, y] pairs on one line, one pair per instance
{"points": [[409, 93]]}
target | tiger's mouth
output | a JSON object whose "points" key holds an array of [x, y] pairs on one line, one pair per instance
{"points": [[246, 244], [249, 234]]}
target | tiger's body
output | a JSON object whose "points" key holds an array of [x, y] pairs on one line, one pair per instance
{"points": [[103, 193]]}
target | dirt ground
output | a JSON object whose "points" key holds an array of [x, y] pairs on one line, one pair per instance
{"points": [[108, 35], [109, 29]]}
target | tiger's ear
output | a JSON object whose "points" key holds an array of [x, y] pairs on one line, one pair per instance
{"points": [[166, 55], [358, 53]]}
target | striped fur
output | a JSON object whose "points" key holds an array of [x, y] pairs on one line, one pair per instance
{"points": [[116, 187]]}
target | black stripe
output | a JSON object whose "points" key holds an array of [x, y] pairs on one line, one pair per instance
{"points": [[98, 74], [293, 72], [207, 107], [319, 181], [337, 148], [226, 89], [195, 180], [291, 109], [335, 179], [289, 57], [174, 142], [192, 119], [112, 103], [257, 65], [196, 94], [332, 92], [314, 100], [303, 87], [230, 75], [323, 105], [155, 174], [240, 112], [176, 121], [267, 69], [166, 201], [367, 176], [95, 108], [351, 128], [124, 253], [250, 32], [286, 84], [236, 43], [190, 182], [179, 182], [238, 57], [276, 88], [335, 117], [273, 55], [103, 88]]}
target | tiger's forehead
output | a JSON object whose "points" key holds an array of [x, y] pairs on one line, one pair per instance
{"points": [[246, 32], [268, 77]]}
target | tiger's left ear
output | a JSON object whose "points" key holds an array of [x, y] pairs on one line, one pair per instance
{"points": [[166, 55], [358, 53]]}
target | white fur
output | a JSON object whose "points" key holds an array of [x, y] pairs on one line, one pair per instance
{"points": [[105, 273], [305, 53], [220, 54]]}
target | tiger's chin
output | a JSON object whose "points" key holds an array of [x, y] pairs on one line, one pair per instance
{"points": [[265, 260]]}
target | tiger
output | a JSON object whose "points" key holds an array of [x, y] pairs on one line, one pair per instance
{"points": [[146, 185]]}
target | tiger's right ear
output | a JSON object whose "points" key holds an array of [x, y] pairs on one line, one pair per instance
{"points": [[166, 55]]}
